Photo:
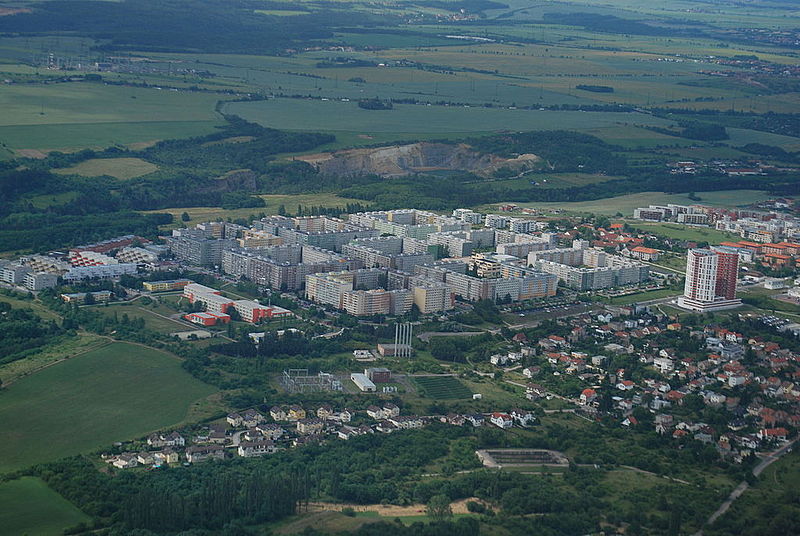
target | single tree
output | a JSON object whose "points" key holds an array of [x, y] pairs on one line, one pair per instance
{"points": [[439, 508]]}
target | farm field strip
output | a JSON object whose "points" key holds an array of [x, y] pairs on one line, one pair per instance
{"points": [[114, 393]]}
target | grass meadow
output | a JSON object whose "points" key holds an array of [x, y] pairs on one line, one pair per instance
{"points": [[273, 201], [333, 116], [625, 204], [120, 168], [30, 507], [76, 115], [115, 393]]}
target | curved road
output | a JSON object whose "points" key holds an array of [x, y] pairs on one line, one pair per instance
{"points": [[738, 490]]}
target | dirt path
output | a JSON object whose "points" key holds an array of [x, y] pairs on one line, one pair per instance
{"points": [[389, 510]]}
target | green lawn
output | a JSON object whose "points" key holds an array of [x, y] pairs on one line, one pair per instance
{"points": [[31, 508], [111, 394]]}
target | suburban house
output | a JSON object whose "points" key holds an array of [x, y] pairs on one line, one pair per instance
{"points": [[405, 422], [343, 416], [270, 431], [475, 419], [376, 413], [295, 413], [196, 454], [386, 427], [173, 439], [259, 447], [325, 411], [145, 458], [277, 413], [523, 417], [391, 410], [234, 419], [501, 420], [310, 426], [455, 419], [251, 418], [125, 461], [166, 456], [588, 396], [773, 434], [346, 432]]}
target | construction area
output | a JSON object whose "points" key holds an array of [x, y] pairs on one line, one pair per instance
{"points": [[300, 381], [499, 458]]}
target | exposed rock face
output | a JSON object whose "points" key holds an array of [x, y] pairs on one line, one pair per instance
{"points": [[238, 180], [399, 160]]}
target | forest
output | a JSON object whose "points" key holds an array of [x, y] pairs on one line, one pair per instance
{"points": [[22, 332], [216, 496]]}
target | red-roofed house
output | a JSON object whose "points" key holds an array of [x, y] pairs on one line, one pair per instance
{"points": [[588, 396], [645, 254]]}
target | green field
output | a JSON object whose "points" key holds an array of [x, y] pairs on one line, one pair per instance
{"points": [[625, 204], [29, 507], [76, 115], [46, 356], [318, 115], [115, 393], [685, 232], [153, 320], [442, 387], [274, 201], [120, 168]]}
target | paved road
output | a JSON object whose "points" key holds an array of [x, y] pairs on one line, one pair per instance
{"points": [[742, 487], [654, 265]]}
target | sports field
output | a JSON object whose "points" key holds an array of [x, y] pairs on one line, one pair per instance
{"points": [[28, 506], [117, 392], [120, 168], [442, 387]]}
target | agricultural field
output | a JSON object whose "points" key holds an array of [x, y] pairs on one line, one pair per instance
{"points": [[441, 387], [114, 393], [119, 168], [334, 116], [71, 116], [67, 349], [32, 508], [625, 204]]}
